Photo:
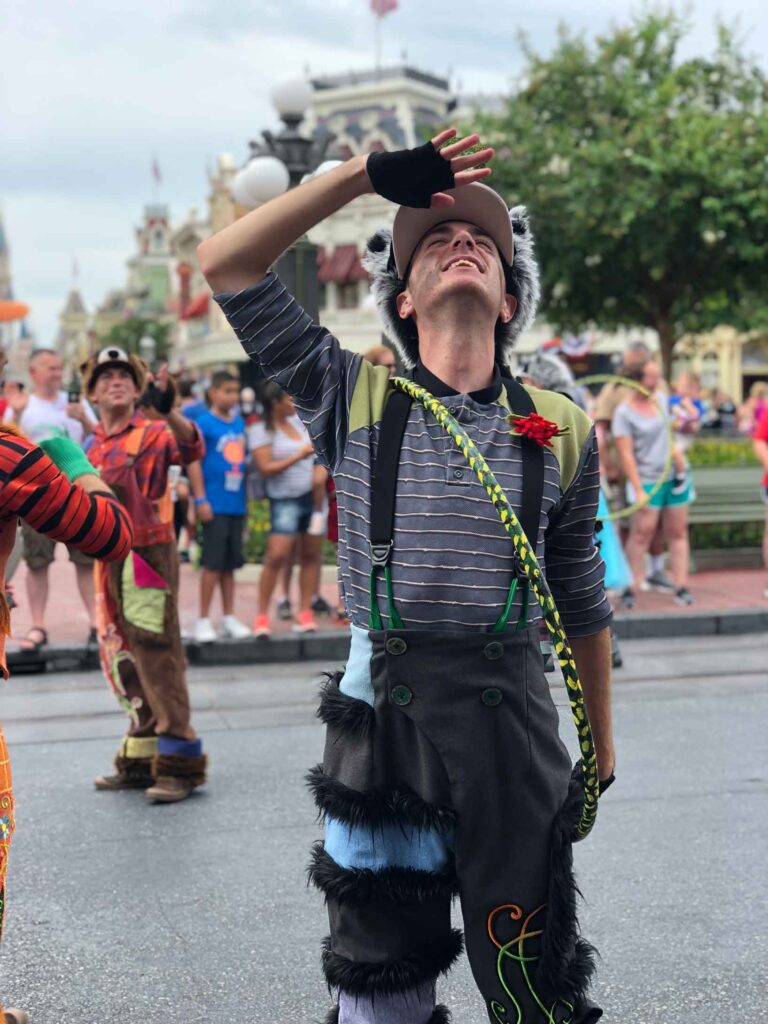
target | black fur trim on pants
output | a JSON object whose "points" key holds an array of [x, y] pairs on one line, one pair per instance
{"points": [[394, 976], [567, 961], [375, 807], [441, 1015], [346, 714], [363, 885]]}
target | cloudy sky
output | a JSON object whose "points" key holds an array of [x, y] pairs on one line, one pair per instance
{"points": [[91, 92]]}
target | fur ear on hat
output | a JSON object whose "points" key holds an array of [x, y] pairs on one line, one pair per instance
{"points": [[522, 282]]}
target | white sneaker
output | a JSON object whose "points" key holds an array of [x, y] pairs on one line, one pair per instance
{"points": [[233, 628], [204, 631]]}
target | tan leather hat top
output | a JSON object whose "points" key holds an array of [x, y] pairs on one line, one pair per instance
{"points": [[475, 204]]}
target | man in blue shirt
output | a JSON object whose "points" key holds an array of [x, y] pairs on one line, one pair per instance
{"points": [[222, 508]]}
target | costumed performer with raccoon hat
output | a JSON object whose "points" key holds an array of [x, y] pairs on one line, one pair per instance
{"points": [[443, 772]]}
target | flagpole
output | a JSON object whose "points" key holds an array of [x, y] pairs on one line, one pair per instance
{"points": [[378, 41]]}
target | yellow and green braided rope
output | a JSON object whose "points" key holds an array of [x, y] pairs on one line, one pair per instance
{"points": [[529, 564]]}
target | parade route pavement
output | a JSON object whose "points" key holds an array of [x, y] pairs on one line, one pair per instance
{"points": [[121, 912]]}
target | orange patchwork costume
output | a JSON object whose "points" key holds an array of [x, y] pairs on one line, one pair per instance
{"points": [[142, 653]]}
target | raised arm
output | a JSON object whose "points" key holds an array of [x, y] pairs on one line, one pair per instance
{"points": [[241, 254], [80, 511], [275, 332]]}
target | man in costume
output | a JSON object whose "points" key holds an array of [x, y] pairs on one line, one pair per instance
{"points": [[137, 599], [443, 772], [56, 491]]}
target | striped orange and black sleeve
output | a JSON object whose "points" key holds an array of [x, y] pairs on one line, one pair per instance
{"points": [[32, 488]]}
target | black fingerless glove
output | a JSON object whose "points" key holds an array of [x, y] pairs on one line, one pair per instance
{"points": [[605, 783], [160, 400], [410, 177]]}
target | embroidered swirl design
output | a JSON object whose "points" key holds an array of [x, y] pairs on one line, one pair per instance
{"points": [[529, 565], [514, 950]]}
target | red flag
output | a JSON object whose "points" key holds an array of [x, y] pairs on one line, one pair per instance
{"points": [[382, 7], [156, 171]]}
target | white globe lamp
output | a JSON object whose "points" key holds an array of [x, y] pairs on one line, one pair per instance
{"points": [[292, 98], [263, 178]]}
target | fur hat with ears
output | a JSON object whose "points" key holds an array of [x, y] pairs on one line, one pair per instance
{"points": [[112, 355], [522, 281]]}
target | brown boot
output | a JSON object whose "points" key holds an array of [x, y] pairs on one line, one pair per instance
{"points": [[175, 777], [133, 763]]}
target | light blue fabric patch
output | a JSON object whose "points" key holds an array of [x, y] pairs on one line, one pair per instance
{"points": [[356, 681], [388, 846]]}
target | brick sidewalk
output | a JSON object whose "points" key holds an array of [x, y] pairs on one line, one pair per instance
{"points": [[723, 590], [68, 623]]}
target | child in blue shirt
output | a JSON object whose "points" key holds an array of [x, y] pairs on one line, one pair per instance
{"points": [[222, 508]]}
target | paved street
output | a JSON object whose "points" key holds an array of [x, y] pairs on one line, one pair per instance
{"points": [[119, 912]]}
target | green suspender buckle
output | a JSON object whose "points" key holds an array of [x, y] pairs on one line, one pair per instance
{"points": [[380, 556], [522, 620]]}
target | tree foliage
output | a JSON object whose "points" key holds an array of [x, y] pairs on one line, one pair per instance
{"points": [[645, 176], [128, 334]]}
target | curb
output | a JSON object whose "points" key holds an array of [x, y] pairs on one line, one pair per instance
{"points": [[652, 626], [332, 646]]}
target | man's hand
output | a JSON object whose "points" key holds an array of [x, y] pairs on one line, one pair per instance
{"points": [[160, 392], [417, 177], [18, 399], [204, 512], [75, 411]]}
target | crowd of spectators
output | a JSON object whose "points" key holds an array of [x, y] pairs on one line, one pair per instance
{"points": [[256, 447]]}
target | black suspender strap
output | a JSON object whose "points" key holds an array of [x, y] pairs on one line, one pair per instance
{"points": [[391, 431], [529, 515], [384, 484]]}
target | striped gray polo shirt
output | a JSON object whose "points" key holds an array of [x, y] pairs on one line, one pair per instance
{"points": [[452, 562]]}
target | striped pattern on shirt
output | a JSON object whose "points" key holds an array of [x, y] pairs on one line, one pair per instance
{"points": [[33, 488], [452, 562]]}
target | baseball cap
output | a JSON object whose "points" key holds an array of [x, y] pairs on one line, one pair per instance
{"points": [[476, 204]]}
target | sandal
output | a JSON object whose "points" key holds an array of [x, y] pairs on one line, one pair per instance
{"points": [[34, 645]]}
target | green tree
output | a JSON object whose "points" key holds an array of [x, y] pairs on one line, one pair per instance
{"points": [[128, 334], [645, 176]]}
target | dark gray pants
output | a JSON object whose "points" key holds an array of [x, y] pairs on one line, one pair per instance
{"points": [[460, 749]]}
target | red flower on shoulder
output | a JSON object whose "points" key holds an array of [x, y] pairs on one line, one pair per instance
{"points": [[536, 428]]}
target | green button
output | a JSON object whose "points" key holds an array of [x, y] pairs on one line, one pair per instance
{"points": [[494, 651], [491, 697], [401, 696], [396, 645]]}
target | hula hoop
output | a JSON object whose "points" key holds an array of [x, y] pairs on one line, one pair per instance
{"points": [[606, 378]]}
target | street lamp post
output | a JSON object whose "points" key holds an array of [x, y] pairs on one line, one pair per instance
{"points": [[148, 349], [282, 161]]}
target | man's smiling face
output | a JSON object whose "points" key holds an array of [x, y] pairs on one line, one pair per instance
{"points": [[456, 258]]}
